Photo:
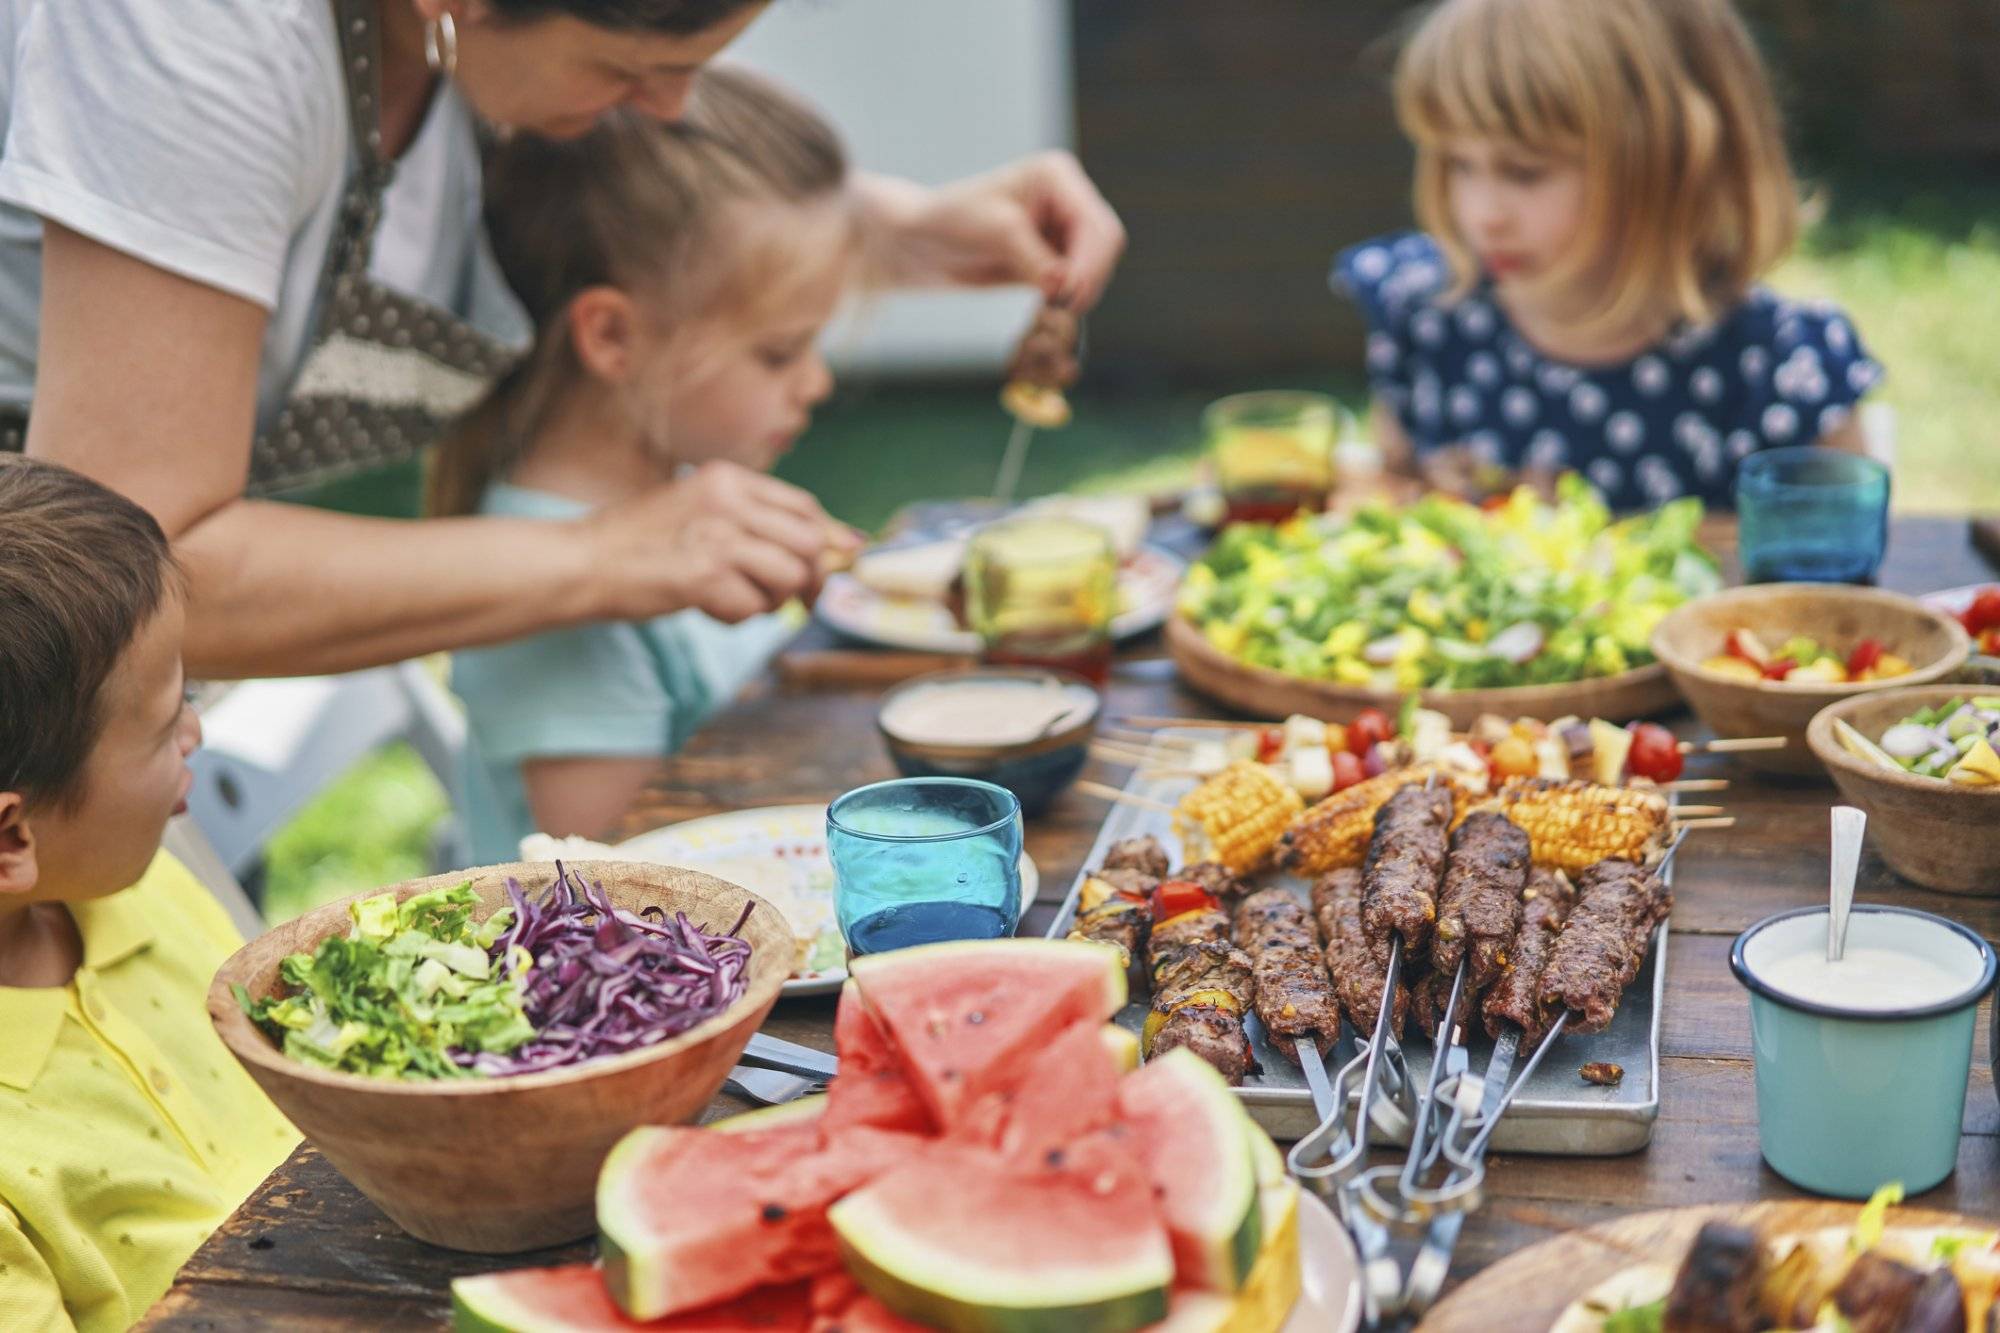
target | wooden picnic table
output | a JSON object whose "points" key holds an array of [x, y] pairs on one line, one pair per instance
{"points": [[307, 1251]]}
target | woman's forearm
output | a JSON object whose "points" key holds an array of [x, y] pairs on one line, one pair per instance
{"points": [[281, 589]]}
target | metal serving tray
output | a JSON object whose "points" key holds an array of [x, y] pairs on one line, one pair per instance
{"points": [[1557, 1112]]}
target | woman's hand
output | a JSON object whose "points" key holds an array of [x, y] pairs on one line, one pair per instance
{"points": [[1037, 221], [727, 540]]}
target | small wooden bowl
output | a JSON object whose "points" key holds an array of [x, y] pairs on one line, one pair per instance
{"points": [[1931, 832], [1836, 615], [500, 1165]]}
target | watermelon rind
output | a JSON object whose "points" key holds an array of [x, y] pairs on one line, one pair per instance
{"points": [[918, 1275], [1124, 1047], [1216, 1239], [1266, 1300], [492, 1303], [973, 955], [795, 1112]]}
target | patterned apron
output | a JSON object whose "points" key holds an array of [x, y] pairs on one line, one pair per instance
{"points": [[385, 371]]}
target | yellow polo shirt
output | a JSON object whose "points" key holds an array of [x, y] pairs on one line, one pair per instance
{"points": [[127, 1130]]}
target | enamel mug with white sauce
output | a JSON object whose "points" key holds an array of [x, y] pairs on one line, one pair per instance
{"points": [[1862, 1064]]}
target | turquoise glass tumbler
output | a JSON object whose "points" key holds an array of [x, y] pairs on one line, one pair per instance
{"points": [[921, 860], [1811, 515], [1850, 1096]]}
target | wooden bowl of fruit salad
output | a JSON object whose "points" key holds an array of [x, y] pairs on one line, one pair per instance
{"points": [[1762, 660]]}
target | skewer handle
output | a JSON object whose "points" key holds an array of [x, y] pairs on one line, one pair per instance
{"points": [[1694, 784], [1735, 744], [1726, 821], [1118, 797]]}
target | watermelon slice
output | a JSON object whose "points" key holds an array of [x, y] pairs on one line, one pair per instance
{"points": [[574, 1299], [964, 1015], [1063, 1091], [1003, 1251], [1191, 1133], [798, 1111], [871, 1088], [839, 1305], [687, 1218]]}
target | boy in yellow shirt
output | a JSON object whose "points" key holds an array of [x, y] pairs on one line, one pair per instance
{"points": [[127, 1132]]}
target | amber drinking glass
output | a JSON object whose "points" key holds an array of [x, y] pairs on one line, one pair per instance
{"points": [[1273, 452]]}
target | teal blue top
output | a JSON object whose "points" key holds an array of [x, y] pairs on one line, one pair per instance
{"points": [[611, 688]]}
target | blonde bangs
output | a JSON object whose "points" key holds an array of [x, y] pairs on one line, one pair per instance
{"points": [[1666, 107]]}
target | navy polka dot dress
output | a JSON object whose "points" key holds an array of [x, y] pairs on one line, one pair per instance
{"points": [[1672, 421]]}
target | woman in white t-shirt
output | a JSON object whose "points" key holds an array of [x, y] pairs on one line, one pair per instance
{"points": [[239, 248]]}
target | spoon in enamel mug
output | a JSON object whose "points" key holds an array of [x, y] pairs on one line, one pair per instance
{"points": [[1848, 824]]}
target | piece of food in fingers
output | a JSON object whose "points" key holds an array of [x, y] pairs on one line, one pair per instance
{"points": [[1573, 825], [1515, 1000], [1405, 865], [1351, 960], [1237, 816], [1604, 942], [1479, 907], [1044, 364], [1294, 996]]}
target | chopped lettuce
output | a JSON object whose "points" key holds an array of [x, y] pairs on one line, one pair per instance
{"points": [[404, 988], [1328, 597]]}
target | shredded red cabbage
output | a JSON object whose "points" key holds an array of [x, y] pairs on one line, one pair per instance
{"points": [[604, 981]]}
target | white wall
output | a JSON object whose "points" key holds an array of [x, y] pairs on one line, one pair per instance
{"points": [[932, 90]]}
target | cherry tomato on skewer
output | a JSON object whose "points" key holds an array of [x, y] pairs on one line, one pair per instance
{"points": [[1655, 754]]}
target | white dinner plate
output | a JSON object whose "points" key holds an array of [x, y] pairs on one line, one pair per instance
{"points": [[1330, 1273], [779, 853]]}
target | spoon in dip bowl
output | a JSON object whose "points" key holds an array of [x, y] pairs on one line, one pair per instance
{"points": [[1848, 826]]}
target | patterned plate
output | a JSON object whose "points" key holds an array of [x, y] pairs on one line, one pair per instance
{"points": [[1146, 586], [779, 853]]}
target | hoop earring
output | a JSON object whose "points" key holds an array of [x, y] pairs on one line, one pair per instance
{"points": [[441, 45]]}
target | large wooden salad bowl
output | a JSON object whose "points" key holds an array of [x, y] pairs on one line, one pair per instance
{"points": [[1260, 692], [499, 1165]]}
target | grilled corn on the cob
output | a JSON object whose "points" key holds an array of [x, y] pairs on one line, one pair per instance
{"points": [[1334, 833], [1237, 816], [1574, 825]]}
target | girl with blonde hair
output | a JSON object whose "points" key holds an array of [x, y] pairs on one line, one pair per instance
{"points": [[1602, 184], [679, 275]]}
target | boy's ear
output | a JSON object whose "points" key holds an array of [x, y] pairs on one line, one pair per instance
{"points": [[19, 872], [604, 328]]}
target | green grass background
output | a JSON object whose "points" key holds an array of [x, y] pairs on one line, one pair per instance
{"points": [[1914, 259]]}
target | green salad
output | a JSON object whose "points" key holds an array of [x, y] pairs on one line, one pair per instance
{"points": [[1442, 594], [400, 991]]}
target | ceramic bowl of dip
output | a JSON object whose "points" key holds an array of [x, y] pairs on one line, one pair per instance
{"points": [[1862, 1064], [1025, 729]]}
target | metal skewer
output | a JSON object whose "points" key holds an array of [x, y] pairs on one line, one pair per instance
{"points": [[1314, 1068], [1009, 479]]}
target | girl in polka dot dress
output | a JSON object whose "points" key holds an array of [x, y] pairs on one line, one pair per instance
{"points": [[1601, 184]]}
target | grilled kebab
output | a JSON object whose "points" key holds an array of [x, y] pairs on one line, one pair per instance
{"points": [[1202, 985], [1479, 908], [1405, 866], [1515, 997], [1294, 997], [1357, 968], [1604, 942]]}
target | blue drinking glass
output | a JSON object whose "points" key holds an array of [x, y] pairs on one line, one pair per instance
{"points": [[920, 860], [1811, 515]]}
